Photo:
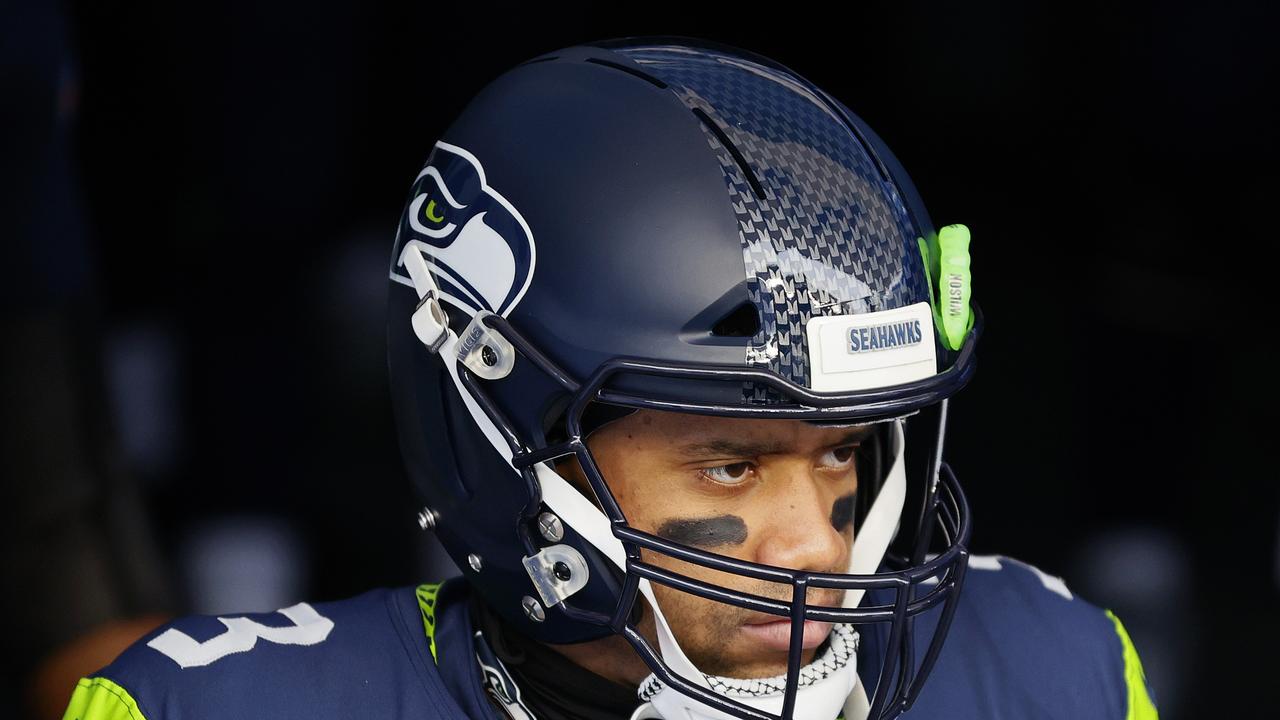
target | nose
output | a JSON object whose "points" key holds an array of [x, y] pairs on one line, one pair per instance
{"points": [[798, 533]]}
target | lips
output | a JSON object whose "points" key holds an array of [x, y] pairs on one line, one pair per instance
{"points": [[776, 634]]}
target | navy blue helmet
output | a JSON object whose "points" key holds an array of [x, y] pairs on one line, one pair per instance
{"points": [[669, 223]]}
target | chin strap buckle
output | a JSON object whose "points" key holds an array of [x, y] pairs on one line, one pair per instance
{"points": [[485, 351], [557, 572], [430, 323]]}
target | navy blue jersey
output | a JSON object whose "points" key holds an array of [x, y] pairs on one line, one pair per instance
{"points": [[1020, 646]]}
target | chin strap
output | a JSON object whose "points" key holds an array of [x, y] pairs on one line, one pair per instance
{"points": [[822, 686], [857, 707]]}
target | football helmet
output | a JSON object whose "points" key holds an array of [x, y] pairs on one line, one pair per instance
{"points": [[670, 223]]}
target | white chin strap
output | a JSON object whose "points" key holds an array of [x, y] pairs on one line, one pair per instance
{"points": [[827, 686]]}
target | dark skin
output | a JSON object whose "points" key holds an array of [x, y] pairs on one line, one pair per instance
{"points": [[777, 492]]}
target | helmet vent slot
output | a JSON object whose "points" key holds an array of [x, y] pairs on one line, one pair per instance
{"points": [[629, 70], [733, 150], [742, 321]]}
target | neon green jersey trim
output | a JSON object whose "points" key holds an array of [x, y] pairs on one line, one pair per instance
{"points": [[1140, 705], [427, 604], [100, 699]]}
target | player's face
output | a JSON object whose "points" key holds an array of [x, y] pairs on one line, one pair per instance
{"points": [[778, 492]]}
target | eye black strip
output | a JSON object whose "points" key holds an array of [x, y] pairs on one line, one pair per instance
{"points": [[705, 532], [842, 512]]}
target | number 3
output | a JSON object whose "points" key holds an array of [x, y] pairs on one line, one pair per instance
{"points": [[309, 627]]}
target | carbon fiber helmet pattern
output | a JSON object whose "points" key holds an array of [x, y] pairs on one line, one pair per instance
{"points": [[823, 231], [674, 224]]}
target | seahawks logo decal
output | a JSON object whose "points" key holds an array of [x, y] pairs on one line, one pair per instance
{"points": [[477, 244]]}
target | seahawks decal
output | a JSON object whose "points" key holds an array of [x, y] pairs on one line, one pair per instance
{"points": [[498, 682], [477, 244]]}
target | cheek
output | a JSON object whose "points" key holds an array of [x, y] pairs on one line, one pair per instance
{"points": [[701, 626], [635, 486]]}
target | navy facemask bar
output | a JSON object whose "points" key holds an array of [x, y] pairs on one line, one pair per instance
{"points": [[944, 501]]}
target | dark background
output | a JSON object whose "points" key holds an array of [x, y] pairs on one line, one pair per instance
{"points": [[199, 204]]}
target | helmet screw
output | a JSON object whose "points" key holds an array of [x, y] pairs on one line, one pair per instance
{"points": [[551, 527], [428, 518], [533, 609], [488, 356], [474, 561], [562, 571]]}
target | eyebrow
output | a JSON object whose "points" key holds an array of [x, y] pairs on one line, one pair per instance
{"points": [[729, 447]]}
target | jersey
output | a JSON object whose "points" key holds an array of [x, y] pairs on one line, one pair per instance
{"points": [[1021, 645]]}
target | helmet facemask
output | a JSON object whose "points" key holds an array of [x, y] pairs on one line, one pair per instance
{"points": [[823, 687]]}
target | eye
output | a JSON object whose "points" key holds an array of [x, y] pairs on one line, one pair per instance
{"points": [[839, 458], [732, 474], [432, 213]]}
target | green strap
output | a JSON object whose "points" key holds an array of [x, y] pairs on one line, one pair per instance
{"points": [[955, 284], [946, 266], [1140, 705], [427, 604], [100, 699]]}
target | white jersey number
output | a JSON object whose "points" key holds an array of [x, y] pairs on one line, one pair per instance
{"points": [[309, 627]]}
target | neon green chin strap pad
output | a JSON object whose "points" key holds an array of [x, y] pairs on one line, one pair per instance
{"points": [[946, 261]]}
